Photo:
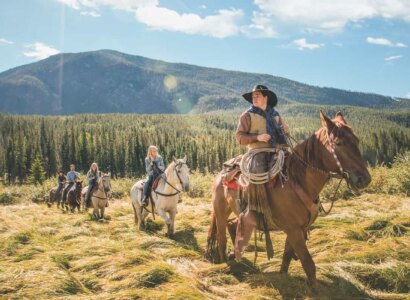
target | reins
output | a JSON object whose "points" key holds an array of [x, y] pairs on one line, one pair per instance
{"points": [[167, 182], [102, 190], [339, 175]]}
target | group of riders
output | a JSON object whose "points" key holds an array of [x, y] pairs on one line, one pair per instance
{"points": [[154, 165], [66, 182], [260, 126]]}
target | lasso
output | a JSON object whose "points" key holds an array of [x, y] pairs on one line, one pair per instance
{"points": [[259, 178]]}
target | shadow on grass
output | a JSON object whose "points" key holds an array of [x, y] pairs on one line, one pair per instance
{"points": [[186, 238], [294, 286], [152, 226]]}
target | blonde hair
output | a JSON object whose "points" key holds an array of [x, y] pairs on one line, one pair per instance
{"points": [[150, 148], [91, 167]]}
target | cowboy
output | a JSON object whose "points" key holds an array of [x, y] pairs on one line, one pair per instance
{"points": [[72, 176], [92, 176], [260, 126], [154, 165]]}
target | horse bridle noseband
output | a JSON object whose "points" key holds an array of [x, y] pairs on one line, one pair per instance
{"points": [[179, 164], [341, 174], [106, 195]]}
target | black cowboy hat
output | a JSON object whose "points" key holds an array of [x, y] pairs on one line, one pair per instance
{"points": [[272, 98]]}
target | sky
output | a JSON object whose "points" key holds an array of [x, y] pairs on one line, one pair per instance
{"points": [[357, 45]]}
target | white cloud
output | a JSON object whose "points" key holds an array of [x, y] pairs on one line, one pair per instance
{"points": [[4, 41], [407, 96], [301, 44], [384, 42], [90, 13], [332, 15], [261, 27], [221, 25], [39, 50], [203, 6], [393, 57], [149, 12]]}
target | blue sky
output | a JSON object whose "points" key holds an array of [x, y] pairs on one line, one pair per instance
{"points": [[360, 45]]}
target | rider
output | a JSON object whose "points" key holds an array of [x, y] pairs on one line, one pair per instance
{"points": [[154, 165], [260, 126], [92, 176], [61, 179], [72, 176]]}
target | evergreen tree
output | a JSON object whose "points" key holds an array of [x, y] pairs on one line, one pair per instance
{"points": [[37, 173]]}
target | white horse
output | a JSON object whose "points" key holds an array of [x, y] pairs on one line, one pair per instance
{"points": [[165, 195], [99, 196]]}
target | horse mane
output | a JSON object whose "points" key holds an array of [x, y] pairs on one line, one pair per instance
{"points": [[306, 151], [169, 169]]}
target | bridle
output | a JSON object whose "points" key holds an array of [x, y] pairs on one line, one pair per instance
{"points": [[103, 190], [341, 174], [177, 191]]}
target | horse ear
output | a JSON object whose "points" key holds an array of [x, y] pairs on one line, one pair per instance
{"points": [[340, 117], [326, 122], [184, 159], [174, 159]]}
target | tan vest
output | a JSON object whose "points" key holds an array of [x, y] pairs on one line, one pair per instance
{"points": [[258, 126]]}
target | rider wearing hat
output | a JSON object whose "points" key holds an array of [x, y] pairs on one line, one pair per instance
{"points": [[261, 126]]}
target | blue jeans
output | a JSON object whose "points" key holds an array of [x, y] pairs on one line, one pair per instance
{"points": [[148, 184]]}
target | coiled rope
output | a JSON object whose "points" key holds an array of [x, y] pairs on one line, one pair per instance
{"points": [[259, 178]]}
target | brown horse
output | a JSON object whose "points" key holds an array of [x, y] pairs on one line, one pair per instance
{"points": [[55, 196], [293, 207], [74, 197]]}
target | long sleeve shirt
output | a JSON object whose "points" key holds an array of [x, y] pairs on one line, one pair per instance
{"points": [[61, 179], [72, 176], [92, 176], [158, 161], [243, 137]]}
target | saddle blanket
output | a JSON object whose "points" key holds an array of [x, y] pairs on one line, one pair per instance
{"points": [[234, 185]]}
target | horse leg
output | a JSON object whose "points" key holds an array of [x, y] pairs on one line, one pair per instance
{"points": [[298, 243], [167, 220], [288, 254], [102, 210], [246, 224], [136, 219], [172, 215]]}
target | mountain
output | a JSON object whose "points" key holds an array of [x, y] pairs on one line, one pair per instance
{"points": [[108, 81]]}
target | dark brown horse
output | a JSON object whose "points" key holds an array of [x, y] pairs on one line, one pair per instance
{"points": [[74, 197], [55, 196], [332, 149]]}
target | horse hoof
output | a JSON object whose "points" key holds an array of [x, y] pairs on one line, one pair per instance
{"points": [[231, 255], [314, 288]]}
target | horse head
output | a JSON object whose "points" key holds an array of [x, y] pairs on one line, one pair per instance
{"points": [[78, 187], [181, 171], [343, 155], [105, 180]]}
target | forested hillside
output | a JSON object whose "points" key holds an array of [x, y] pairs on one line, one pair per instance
{"points": [[118, 142], [108, 81]]}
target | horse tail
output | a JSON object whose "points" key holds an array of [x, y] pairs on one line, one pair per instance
{"points": [[212, 241]]}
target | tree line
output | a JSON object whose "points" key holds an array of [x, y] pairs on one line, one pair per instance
{"points": [[118, 142]]}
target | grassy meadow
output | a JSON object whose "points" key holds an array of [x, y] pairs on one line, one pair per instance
{"points": [[361, 250]]}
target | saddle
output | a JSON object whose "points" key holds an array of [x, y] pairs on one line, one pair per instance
{"points": [[232, 171]]}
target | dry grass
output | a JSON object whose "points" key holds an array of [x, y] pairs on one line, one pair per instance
{"points": [[361, 250]]}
